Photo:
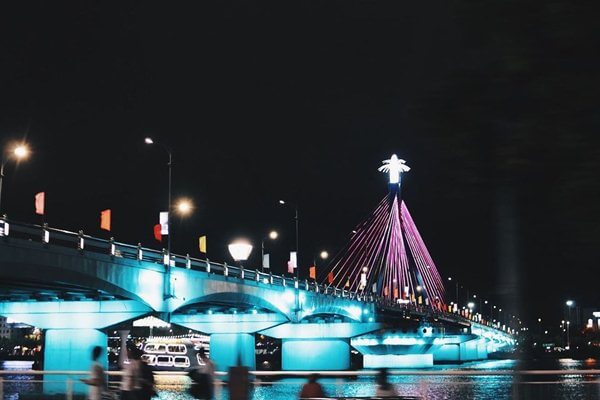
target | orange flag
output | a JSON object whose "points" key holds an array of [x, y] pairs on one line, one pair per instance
{"points": [[312, 272], [105, 220], [396, 293], [40, 199], [347, 283], [330, 278], [157, 232]]}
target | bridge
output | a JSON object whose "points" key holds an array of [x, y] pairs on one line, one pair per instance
{"points": [[76, 287]]}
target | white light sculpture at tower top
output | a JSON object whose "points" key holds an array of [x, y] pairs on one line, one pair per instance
{"points": [[395, 166]]}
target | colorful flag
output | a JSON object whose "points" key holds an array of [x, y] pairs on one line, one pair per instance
{"points": [[157, 232], [312, 272], [163, 219], [395, 292], [105, 220], [202, 244], [266, 261], [290, 267], [40, 200], [330, 278], [294, 259]]}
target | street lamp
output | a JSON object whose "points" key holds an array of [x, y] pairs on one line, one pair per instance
{"points": [[272, 235], [324, 255], [283, 202], [149, 141], [18, 152], [240, 249], [184, 207], [569, 304]]}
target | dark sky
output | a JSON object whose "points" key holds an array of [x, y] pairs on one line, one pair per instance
{"points": [[493, 104]]}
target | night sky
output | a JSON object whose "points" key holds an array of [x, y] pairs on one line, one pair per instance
{"points": [[493, 104]]}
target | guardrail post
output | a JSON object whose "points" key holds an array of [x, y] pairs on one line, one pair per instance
{"points": [[1, 388], [165, 257], [80, 241], [208, 265], [139, 252], [225, 269], [69, 392], [242, 271], [188, 262], [45, 234], [113, 248], [306, 284], [4, 229], [257, 275]]}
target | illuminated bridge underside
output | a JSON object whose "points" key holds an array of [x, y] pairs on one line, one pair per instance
{"points": [[77, 294]]}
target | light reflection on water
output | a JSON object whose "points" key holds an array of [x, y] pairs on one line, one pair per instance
{"points": [[436, 387]]}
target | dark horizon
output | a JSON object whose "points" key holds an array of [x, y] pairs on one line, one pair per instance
{"points": [[261, 101]]}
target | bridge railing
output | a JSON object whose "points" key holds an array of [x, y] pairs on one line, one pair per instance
{"points": [[49, 236]]}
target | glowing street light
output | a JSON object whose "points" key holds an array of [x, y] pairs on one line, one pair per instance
{"points": [[324, 255], [18, 152], [240, 249], [272, 235], [184, 206]]}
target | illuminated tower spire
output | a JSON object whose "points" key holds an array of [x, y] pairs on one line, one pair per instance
{"points": [[394, 166]]}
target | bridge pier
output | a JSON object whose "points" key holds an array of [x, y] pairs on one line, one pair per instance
{"points": [[315, 355], [231, 349], [71, 350]]}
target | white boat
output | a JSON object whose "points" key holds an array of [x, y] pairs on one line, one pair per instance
{"points": [[155, 348], [181, 361], [150, 359], [164, 361], [176, 349]]}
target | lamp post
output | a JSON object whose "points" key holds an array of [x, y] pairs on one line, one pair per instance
{"points": [[148, 140], [18, 152], [569, 304], [272, 235], [283, 202]]}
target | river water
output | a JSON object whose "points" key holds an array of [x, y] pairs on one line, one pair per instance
{"points": [[431, 387]]}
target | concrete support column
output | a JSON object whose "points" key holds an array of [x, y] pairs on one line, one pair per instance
{"points": [[317, 354], [71, 350], [227, 349], [123, 335]]}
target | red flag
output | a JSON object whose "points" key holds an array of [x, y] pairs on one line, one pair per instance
{"points": [[40, 199], [290, 267], [330, 278], [312, 272], [105, 220], [157, 234]]}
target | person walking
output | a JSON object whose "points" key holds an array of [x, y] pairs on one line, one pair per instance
{"points": [[312, 388], [131, 378], [203, 377], [97, 379], [384, 388]]}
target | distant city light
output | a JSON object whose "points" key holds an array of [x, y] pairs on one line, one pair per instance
{"points": [[273, 235], [324, 255], [570, 303]]}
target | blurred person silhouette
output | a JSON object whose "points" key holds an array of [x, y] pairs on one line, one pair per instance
{"points": [[131, 377], [312, 388], [202, 377], [97, 379], [384, 388], [147, 390]]}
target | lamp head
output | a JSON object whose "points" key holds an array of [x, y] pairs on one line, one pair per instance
{"points": [[324, 255], [240, 249], [148, 140], [21, 151], [273, 235], [184, 206]]}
